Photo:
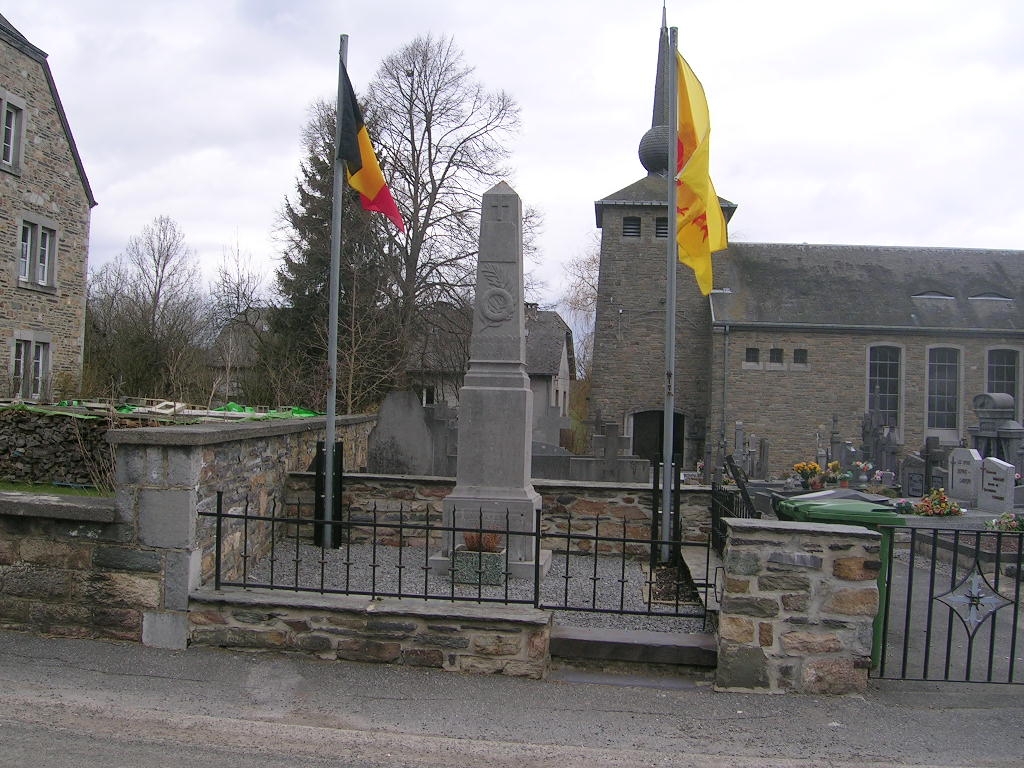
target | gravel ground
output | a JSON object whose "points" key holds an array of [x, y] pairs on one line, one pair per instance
{"points": [[577, 582]]}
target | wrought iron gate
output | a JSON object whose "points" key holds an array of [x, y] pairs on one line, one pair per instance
{"points": [[952, 607]]}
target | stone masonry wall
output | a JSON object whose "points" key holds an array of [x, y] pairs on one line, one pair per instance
{"points": [[76, 567], [797, 609], [789, 404], [510, 640], [48, 188], [601, 509], [629, 332]]}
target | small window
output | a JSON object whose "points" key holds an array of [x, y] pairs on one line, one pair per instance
{"points": [[775, 355], [753, 355], [37, 251], [631, 226], [661, 227], [31, 370], [12, 131], [799, 357]]}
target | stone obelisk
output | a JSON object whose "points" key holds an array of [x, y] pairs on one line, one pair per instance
{"points": [[495, 401]]}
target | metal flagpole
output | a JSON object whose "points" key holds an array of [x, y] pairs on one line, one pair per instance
{"points": [[334, 288], [670, 300]]}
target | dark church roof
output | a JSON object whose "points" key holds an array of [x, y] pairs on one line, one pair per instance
{"points": [[650, 191], [14, 38], [868, 287]]}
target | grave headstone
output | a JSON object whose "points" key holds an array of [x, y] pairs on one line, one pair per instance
{"points": [[997, 483], [964, 475], [912, 476]]}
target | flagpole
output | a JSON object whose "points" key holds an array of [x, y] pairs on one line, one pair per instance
{"points": [[672, 258], [334, 288]]}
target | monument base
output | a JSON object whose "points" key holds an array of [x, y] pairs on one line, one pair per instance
{"points": [[441, 566]]}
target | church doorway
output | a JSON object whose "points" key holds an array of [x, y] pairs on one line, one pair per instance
{"points": [[648, 434]]}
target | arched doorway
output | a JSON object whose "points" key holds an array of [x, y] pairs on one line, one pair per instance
{"points": [[648, 434]]}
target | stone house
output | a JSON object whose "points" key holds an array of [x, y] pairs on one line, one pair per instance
{"points": [[794, 335], [440, 356], [45, 205]]}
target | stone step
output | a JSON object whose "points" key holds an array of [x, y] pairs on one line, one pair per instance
{"points": [[635, 646]]}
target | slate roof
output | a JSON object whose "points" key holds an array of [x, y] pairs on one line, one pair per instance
{"points": [[14, 38], [869, 287], [546, 333], [652, 191]]}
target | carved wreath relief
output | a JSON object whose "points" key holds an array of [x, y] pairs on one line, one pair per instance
{"points": [[497, 302]]}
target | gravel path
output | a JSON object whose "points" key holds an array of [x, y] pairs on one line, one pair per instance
{"points": [[577, 582]]}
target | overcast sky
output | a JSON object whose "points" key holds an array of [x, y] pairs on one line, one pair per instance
{"points": [[888, 122]]}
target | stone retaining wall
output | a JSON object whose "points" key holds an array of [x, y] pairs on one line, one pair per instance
{"points": [[602, 509], [460, 637], [74, 567], [798, 605]]}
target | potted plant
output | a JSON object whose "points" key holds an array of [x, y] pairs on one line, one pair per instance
{"points": [[844, 479], [832, 473], [808, 470], [937, 504], [480, 560], [863, 467]]}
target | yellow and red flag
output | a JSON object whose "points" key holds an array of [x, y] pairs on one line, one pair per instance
{"points": [[700, 224], [361, 167]]}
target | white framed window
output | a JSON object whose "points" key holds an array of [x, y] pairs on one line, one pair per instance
{"points": [[885, 383], [12, 131], [37, 253], [944, 394], [1002, 373], [31, 370]]}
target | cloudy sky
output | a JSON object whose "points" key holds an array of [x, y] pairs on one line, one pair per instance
{"points": [[890, 122]]}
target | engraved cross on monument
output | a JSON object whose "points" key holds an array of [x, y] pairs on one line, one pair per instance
{"points": [[495, 401]]}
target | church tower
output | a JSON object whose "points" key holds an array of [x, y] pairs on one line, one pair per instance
{"points": [[627, 377]]}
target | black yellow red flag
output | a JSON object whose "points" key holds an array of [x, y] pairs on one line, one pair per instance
{"points": [[361, 166]]}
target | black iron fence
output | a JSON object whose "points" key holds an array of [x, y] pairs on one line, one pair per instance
{"points": [[588, 563], [951, 606]]}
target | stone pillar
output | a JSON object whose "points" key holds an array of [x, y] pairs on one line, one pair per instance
{"points": [[496, 402], [798, 607]]}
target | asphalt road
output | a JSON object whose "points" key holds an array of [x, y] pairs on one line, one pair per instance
{"points": [[83, 704]]}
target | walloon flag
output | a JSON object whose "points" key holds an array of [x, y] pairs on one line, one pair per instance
{"points": [[700, 225]]}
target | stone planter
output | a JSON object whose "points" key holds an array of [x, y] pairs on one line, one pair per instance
{"points": [[472, 567]]}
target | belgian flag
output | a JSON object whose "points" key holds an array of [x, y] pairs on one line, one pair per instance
{"points": [[361, 166]]}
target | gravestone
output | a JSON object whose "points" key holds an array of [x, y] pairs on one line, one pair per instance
{"points": [[997, 482], [912, 476], [400, 442], [964, 475], [492, 479]]}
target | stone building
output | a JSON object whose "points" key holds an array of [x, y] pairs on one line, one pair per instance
{"points": [[439, 357], [794, 335], [45, 204]]}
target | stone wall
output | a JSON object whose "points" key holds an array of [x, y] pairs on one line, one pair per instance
{"points": [[797, 609], [788, 405], [50, 447], [460, 637], [76, 567], [629, 330], [603, 509]]}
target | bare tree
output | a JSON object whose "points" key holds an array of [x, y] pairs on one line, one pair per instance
{"points": [[442, 140], [148, 324]]}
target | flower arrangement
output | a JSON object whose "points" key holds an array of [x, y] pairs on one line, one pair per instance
{"points": [[1008, 522], [863, 466], [700, 465], [937, 504], [903, 506], [832, 472], [483, 542], [807, 469]]}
